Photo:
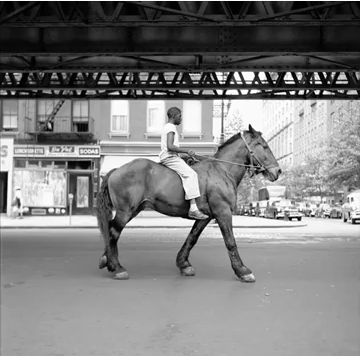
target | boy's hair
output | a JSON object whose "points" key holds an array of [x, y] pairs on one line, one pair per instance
{"points": [[172, 112]]}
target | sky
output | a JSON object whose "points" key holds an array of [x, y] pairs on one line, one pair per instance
{"points": [[250, 110]]}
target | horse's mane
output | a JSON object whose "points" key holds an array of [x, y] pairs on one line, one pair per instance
{"points": [[229, 141]]}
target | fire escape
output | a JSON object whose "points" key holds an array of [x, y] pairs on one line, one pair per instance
{"points": [[60, 128]]}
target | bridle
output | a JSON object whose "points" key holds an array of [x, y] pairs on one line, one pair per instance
{"points": [[254, 168]]}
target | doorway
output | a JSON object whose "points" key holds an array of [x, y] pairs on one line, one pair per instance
{"points": [[80, 185], [3, 191]]}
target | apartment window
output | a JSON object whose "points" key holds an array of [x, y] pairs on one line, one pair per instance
{"points": [[10, 114], [191, 117], [120, 116], [155, 115], [80, 110], [44, 109]]}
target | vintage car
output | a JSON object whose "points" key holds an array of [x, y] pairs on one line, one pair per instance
{"points": [[245, 209], [351, 209], [332, 212], [281, 209], [310, 210]]}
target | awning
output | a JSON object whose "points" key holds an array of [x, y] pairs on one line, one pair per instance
{"points": [[110, 162]]}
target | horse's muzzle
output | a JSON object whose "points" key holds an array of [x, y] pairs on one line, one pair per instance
{"points": [[274, 173]]}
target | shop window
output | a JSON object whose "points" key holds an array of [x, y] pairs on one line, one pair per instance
{"points": [[59, 164], [44, 109], [19, 163], [155, 116], [10, 115], [47, 164], [192, 116], [120, 116], [41, 188], [32, 164], [79, 165]]}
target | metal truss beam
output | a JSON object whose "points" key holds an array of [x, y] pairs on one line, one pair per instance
{"points": [[212, 85], [136, 13]]}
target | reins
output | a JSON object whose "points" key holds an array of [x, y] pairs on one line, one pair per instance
{"points": [[222, 160], [253, 169]]}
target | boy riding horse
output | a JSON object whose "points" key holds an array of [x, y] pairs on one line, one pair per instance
{"points": [[169, 157]]}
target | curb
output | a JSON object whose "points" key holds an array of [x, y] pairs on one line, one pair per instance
{"points": [[147, 227]]}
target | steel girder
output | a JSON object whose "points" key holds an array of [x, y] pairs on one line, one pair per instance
{"points": [[100, 40], [160, 85]]}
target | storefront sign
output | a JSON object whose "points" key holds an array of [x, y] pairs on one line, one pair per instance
{"points": [[89, 151], [56, 151], [6, 154], [62, 150], [29, 150]]}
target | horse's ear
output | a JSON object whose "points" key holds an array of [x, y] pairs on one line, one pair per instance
{"points": [[252, 131]]}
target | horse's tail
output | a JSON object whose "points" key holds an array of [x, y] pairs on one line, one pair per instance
{"points": [[104, 207]]}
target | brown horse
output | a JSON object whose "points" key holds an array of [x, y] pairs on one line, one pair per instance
{"points": [[142, 183]]}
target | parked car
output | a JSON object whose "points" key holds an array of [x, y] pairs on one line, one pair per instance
{"points": [[333, 212], [281, 208], [351, 209], [310, 210], [245, 209]]}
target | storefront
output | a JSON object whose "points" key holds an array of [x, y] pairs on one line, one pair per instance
{"points": [[6, 171], [47, 174]]}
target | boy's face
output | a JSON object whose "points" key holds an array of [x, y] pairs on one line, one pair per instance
{"points": [[178, 118]]}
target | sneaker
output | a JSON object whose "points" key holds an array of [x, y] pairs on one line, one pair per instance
{"points": [[198, 215]]}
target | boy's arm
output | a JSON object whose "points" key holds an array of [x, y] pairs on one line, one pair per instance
{"points": [[172, 148]]}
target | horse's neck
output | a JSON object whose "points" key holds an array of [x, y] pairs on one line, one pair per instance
{"points": [[237, 153]]}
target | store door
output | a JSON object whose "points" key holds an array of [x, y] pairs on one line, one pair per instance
{"points": [[80, 185], [3, 191]]}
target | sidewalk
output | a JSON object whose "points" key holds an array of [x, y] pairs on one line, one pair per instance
{"points": [[146, 219]]}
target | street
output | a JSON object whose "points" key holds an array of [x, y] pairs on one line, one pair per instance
{"points": [[55, 300]]}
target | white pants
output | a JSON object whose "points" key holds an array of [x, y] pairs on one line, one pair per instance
{"points": [[188, 176]]}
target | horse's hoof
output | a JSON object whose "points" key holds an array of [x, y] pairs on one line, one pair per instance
{"points": [[249, 278], [188, 272], [103, 262], [121, 275]]}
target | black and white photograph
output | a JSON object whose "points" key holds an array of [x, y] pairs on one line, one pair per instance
{"points": [[180, 178]]}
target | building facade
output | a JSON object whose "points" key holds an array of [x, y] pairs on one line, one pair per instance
{"points": [[295, 129], [55, 149], [278, 126]]}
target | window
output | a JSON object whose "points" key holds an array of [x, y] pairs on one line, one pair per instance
{"points": [[191, 117], [119, 116], [10, 114], [155, 116], [45, 108], [80, 110]]}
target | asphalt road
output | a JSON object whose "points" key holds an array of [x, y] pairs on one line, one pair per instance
{"points": [[55, 301]]}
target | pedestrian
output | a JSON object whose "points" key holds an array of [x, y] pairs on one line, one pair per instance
{"points": [[17, 204], [169, 157]]}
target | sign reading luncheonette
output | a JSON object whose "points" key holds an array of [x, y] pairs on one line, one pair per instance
{"points": [[6, 154], [89, 151]]}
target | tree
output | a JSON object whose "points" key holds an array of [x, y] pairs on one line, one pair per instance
{"points": [[233, 124], [343, 154]]}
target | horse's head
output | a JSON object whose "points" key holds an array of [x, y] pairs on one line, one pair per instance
{"points": [[262, 156]]}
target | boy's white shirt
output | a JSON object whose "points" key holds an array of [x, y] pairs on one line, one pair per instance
{"points": [[169, 127]]}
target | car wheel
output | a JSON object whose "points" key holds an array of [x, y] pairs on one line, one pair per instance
{"points": [[299, 219], [353, 221]]}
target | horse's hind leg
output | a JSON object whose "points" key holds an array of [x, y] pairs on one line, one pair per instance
{"points": [[110, 258], [182, 259]]}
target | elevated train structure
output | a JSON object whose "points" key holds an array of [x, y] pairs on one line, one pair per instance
{"points": [[180, 50]]}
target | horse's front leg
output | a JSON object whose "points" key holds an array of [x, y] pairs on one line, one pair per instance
{"points": [[182, 259], [225, 223]]}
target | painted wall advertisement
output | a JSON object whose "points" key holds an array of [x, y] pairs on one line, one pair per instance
{"points": [[6, 154], [56, 151]]}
